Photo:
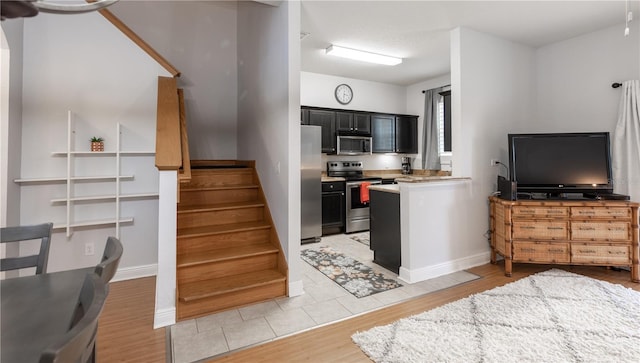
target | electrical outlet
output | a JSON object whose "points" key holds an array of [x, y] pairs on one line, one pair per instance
{"points": [[89, 249], [494, 162]]}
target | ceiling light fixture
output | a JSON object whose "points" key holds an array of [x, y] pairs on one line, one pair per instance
{"points": [[362, 55]]}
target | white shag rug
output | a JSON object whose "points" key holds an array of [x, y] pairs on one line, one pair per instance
{"points": [[552, 316]]}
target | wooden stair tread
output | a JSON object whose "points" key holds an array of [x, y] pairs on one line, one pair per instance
{"points": [[222, 228], [222, 188], [203, 289], [225, 254], [218, 206]]}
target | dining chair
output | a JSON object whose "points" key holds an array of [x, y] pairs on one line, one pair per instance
{"points": [[26, 233], [110, 259], [78, 344]]}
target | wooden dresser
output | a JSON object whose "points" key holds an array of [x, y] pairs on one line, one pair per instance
{"points": [[575, 232]]}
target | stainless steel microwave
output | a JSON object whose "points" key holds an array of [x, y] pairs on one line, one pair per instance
{"points": [[353, 145]]}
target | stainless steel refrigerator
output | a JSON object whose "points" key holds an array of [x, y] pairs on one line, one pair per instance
{"points": [[310, 183]]}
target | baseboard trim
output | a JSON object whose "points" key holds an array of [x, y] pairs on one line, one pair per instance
{"points": [[445, 268], [164, 317], [136, 272]]}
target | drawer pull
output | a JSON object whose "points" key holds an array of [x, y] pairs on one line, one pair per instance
{"points": [[524, 249], [556, 250], [555, 228], [586, 228], [617, 253], [528, 227], [587, 251], [590, 212]]}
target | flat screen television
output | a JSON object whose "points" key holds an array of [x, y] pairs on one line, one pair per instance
{"points": [[561, 163]]}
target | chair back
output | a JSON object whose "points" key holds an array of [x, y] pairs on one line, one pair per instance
{"points": [[26, 233], [108, 266], [78, 344]]}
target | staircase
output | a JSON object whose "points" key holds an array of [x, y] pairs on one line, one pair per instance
{"points": [[228, 251]]}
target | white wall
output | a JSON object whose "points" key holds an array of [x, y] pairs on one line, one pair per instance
{"points": [[83, 63], [318, 90], [492, 83], [199, 39], [574, 80], [11, 115], [269, 114]]}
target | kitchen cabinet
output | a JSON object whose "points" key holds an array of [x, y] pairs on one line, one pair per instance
{"points": [[356, 123], [327, 121], [333, 208], [383, 133], [394, 134], [384, 230], [406, 134]]}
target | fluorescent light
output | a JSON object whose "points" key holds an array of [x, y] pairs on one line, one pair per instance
{"points": [[362, 56]]}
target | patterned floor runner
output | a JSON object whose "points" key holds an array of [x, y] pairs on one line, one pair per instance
{"points": [[355, 277]]}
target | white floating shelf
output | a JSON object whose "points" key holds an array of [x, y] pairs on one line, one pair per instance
{"points": [[99, 222], [105, 197], [103, 153], [74, 178]]}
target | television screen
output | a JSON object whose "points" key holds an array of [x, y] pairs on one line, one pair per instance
{"points": [[561, 162]]}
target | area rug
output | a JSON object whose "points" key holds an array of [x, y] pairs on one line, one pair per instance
{"points": [[553, 316], [361, 237], [360, 280]]}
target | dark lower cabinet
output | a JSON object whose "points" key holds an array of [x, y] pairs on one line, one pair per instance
{"points": [[333, 209], [384, 229]]}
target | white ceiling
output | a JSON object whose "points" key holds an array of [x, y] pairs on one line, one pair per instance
{"points": [[418, 31]]}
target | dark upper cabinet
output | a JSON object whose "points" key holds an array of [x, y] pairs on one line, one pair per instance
{"points": [[407, 134], [355, 123], [390, 133], [327, 121], [383, 131], [394, 134]]}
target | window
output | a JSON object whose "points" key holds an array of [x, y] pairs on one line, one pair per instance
{"points": [[444, 123]]}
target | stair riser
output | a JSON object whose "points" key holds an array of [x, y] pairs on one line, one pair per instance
{"points": [[226, 268], [204, 197], [218, 179], [230, 300], [208, 243], [218, 217]]}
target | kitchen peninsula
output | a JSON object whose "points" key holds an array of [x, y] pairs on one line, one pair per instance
{"points": [[421, 220]]}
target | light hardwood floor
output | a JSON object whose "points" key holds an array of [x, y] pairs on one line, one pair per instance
{"points": [[126, 328]]}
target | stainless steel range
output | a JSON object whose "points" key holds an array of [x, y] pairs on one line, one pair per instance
{"points": [[356, 209]]}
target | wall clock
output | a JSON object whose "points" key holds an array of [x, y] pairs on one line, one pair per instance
{"points": [[344, 94]]}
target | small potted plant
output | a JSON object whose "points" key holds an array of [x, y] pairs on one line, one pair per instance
{"points": [[97, 144]]}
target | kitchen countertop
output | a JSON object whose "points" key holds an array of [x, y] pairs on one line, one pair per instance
{"points": [[331, 179], [428, 179]]}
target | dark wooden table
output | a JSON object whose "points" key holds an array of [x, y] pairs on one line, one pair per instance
{"points": [[35, 311]]}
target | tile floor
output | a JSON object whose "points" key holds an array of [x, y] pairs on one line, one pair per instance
{"points": [[324, 302]]}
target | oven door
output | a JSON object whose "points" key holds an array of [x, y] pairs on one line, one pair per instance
{"points": [[357, 212]]}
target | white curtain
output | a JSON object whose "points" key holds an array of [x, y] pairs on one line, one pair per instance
{"points": [[626, 142], [430, 157]]}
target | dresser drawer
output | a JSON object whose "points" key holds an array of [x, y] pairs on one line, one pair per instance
{"points": [[600, 254], [601, 212], [520, 211], [546, 230], [605, 231], [541, 252]]}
